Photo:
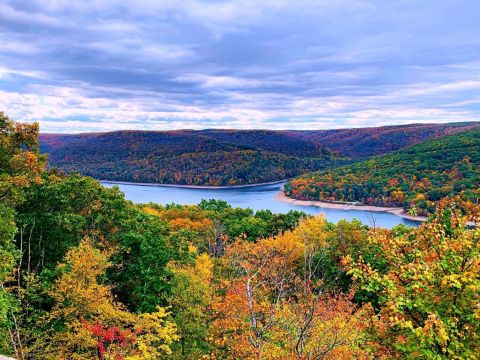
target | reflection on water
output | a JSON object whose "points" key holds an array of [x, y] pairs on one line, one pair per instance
{"points": [[256, 198]]}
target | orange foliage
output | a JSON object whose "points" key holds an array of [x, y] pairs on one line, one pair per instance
{"points": [[274, 307]]}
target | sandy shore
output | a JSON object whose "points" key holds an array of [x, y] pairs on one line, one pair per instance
{"points": [[396, 211], [205, 187]]}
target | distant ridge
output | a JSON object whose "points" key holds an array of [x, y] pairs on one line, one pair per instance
{"points": [[227, 157], [187, 157], [364, 142]]}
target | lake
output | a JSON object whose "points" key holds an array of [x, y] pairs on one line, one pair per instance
{"points": [[256, 198]]}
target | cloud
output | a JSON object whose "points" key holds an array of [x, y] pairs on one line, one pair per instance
{"points": [[109, 64], [224, 82], [9, 13]]}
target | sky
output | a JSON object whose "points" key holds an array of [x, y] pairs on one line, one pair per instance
{"points": [[82, 66]]}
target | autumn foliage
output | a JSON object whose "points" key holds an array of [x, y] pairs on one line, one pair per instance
{"points": [[85, 274], [429, 294], [415, 178], [206, 157], [275, 304]]}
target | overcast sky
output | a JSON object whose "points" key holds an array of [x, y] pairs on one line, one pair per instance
{"points": [[166, 64]]}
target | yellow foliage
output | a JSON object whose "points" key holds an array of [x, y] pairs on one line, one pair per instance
{"points": [[430, 290], [272, 309], [81, 301]]}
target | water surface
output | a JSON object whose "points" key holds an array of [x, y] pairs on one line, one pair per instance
{"points": [[256, 198]]}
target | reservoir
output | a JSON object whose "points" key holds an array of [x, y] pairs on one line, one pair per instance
{"points": [[254, 197]]}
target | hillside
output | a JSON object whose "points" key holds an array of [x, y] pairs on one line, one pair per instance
{"points": [[419, 175], [227, 157], [187, 157], [275, 141], [365, 142]]}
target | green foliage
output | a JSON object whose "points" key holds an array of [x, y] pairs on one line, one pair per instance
{"points": [[8, 258], [84, 307], [251, 225], [190, 298], [21, 167], [141, 261], [61, 211]]}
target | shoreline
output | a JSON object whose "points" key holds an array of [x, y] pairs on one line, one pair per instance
{"points": [[203, 187], [280, 196]]}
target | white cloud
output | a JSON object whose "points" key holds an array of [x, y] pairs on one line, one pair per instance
{"points": [[16, 46], [67, 109], [211, 81]]}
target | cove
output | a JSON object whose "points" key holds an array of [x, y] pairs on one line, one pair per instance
{"points": [[254, 197]]}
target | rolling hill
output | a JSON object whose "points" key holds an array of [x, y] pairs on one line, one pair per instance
{"points": [[418, 176], [365, 142], [187, 157], [227, 157]]}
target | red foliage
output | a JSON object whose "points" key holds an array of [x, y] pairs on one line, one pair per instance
{"points": [[110, 336]]}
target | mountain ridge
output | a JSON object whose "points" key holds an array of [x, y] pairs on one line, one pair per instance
{"points": [[223, 157]]}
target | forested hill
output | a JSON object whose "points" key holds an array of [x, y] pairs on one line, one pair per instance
{"points": [[227, 157], [207, 157], [365, 142], [276, 141], [416, 176]]}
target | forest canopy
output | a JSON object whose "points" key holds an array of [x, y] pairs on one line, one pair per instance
{"points": [[187, 157], [416, 177]]}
